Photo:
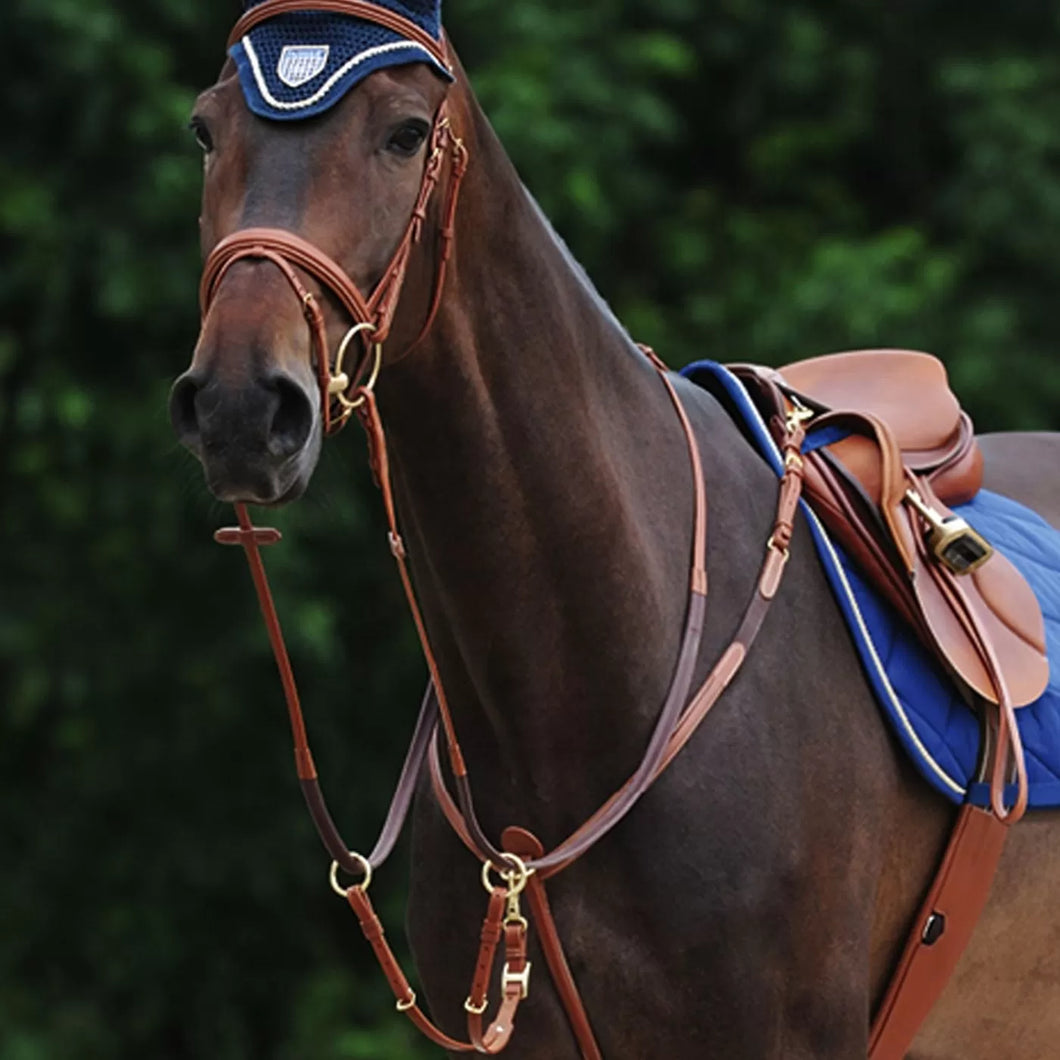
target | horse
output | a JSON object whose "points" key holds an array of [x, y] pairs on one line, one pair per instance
{"points": [[755, 901]]}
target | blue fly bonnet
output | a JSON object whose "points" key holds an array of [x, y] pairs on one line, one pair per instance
{"points": [[301, 63]]}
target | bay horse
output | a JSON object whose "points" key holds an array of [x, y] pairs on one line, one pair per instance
{"points": [[754, 903]]}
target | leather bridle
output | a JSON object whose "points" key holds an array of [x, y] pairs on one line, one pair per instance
{"points": [[519, 861]]}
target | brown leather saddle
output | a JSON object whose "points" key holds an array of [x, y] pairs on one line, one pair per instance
{"points": [[888, 451]]}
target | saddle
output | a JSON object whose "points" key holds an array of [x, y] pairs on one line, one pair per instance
{"points": [[888, 449]]}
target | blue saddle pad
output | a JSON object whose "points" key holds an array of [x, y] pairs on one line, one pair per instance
{"points": [[919, 699]]}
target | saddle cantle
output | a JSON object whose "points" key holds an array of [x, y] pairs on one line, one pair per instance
{"points": [[888, 450]]}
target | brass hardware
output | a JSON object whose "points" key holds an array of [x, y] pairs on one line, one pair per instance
{"points": [[366, 868], [409, 1002], [520, 979], [339, 382], [476, 1010], [798, 415], [793, 461], [955, 544], [514, 913], [516, 878], [771, 546]]}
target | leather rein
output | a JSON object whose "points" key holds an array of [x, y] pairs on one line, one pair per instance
{"points": [[519, 862]]}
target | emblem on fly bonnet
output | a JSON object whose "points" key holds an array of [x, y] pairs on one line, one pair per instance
{"points": [[300, 63]]}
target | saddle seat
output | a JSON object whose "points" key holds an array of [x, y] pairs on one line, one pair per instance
{"points": [[888, 450], [910, 393]]}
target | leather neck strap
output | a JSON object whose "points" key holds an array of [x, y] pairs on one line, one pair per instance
{"points": [[680, 684], [679, 717]]}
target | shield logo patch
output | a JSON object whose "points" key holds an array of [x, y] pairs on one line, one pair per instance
{"points": [[301, 63]]}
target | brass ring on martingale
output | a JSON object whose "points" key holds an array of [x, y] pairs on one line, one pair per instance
{"points": [[366, 868], [516, 878]]}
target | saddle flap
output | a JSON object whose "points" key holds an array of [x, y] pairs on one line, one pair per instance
{"points": [[994, 603]]}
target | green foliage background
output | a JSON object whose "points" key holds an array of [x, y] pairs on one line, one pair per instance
{"points": [[745, 180]]}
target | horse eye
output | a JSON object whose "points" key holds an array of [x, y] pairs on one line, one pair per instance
{"points": [[408, 138], [202, 134]]}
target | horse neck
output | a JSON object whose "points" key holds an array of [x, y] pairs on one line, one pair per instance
{"points": [[543, 490]]}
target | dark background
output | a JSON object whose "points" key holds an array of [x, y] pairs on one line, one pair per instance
{"points": [[745, 180]]}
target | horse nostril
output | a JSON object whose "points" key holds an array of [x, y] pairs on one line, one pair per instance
{"points": [[182, 412], [293, 419]]}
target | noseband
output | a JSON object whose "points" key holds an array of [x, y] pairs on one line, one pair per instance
{"points": [[373, 316]]}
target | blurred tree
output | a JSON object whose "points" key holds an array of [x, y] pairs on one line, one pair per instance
{"points": [[748, 182]]}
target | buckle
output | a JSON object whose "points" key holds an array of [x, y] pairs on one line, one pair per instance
{"points": [[476, 1010], [519, 979]]}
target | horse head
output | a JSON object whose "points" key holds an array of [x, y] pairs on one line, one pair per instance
{"points": [[309, 229]]}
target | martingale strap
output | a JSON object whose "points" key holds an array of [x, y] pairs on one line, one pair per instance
{"points": [[674, 727], [676, 724]]}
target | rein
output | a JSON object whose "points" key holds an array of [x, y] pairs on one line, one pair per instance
{"points": [[519, 861]]}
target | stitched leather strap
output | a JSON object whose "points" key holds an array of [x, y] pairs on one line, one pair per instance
{"points": [[251, 539], [488, 1040], [940, 933], [495, 1037], [681, 730], [610, 814], [354, 8], [528, 846]]}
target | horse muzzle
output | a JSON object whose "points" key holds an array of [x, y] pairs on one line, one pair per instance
{"points": [[257, 442]]}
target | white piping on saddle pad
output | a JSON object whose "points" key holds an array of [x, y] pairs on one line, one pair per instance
{"points": [[865, 638], [896, 703]]}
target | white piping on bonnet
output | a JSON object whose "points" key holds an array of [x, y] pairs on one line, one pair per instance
{"points": [[370, 53]]}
